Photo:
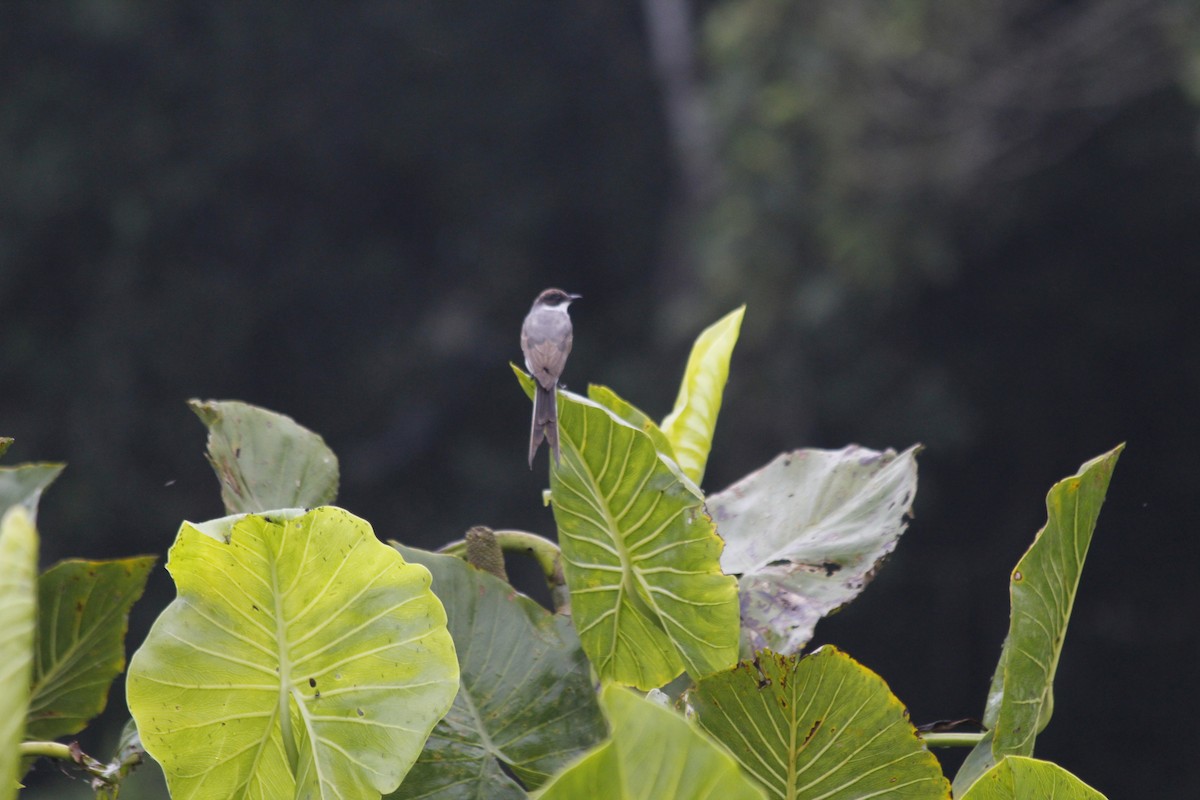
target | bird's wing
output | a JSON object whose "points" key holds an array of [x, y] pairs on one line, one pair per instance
{"points": [[546, 358]]}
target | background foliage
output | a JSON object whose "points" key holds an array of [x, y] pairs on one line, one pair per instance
{"points": [[970, 225]]}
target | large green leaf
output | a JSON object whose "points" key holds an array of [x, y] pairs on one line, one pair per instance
{"points": [[83, 614], [807, 532], [526, 697], [1042, 589], [654, 754], [1021, 778], [302, 658], [18, 611], [24, 485], [690, 425], [640, 556], [265, 460], [818, 726]]}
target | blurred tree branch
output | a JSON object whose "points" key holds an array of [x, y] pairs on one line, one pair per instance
{"points": [[671, 40]]}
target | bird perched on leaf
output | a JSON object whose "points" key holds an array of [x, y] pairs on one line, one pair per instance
{"points": [[546, 342]]}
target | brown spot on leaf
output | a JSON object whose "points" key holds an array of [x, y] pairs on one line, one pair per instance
{"points": [[811, 733]]}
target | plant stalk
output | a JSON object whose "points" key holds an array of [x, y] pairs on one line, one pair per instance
{"points": [[46, 750], [951, 739], [543, 551]]}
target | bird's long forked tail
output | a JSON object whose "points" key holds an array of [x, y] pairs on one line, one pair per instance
{"points": [[545, 421]]}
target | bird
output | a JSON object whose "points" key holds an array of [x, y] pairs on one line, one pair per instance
{"points": [[546, 338]]}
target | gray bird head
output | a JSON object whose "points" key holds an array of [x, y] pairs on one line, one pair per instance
{"points": [[555, 298]]}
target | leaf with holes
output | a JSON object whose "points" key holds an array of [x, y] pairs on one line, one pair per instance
{"points": [[1019, 778], [1042, 589], [640, 556], [526, 698], [690, 425], [83, 614], [654, 753], [817, 726], [18, 612], [265, 460], [807, 532], [302, 658]]}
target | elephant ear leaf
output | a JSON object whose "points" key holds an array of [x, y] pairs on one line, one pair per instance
{"points": [[1042, 591], [807, 532], [302, 658], [820, 725], [654, 753], [265, 460], [83, 614], [525, 706], [641, 558], [690, 425]]}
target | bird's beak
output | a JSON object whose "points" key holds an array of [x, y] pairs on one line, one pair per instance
{"points": [[575, 296]]}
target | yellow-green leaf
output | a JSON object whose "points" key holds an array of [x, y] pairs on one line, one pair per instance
{"points": [[654, 754], [820, 725], [690, 425], [641, 557], [1042, 586], [302, 658], [1021, 778], [18, 611]]}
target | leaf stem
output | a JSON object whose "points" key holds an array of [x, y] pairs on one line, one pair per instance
{"points": [[105, 778], [543, 551], [951, 739], [46, 750]]}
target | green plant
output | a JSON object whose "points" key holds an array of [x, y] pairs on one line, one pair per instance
{"points": [[304, 658]]}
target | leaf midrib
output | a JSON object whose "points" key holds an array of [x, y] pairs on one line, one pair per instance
{"points": [[285, 664], [581, 468]]}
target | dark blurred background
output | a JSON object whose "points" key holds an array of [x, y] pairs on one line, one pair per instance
{"points": [[974, 225]]}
